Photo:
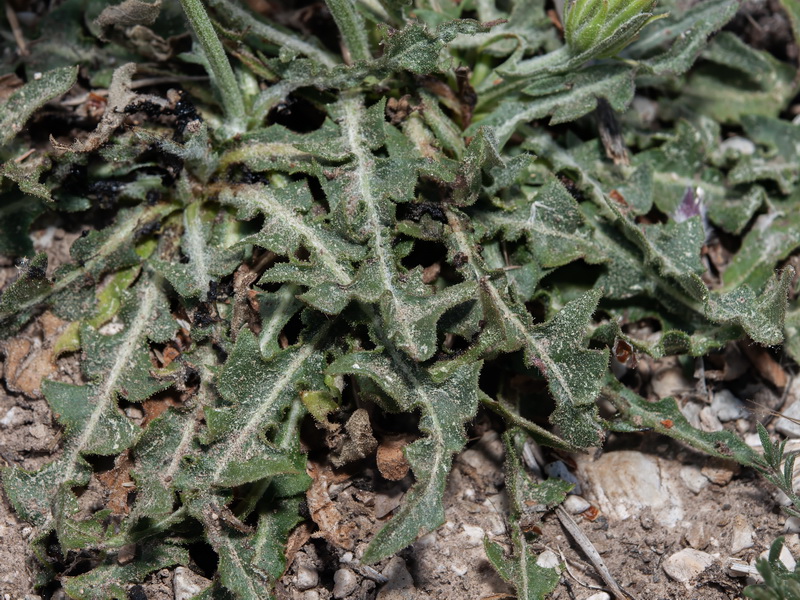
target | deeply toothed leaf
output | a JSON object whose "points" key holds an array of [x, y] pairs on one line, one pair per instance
{"points": [[257, 394], [445, 407], [90, 414], [531, 581]]}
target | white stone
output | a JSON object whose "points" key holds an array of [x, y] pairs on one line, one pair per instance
{"points": [[459, 570], [785, 557], [693, 478], [691, 410], [599, 596], [781, 498], [727, 407], [345, 583], [575, 504], [784, 424], [685, 565], [495, 521], [187, 584], [11, 417], [670, 381], [473, 536], [548, 560], [627, 482], [792, 542], [753, 440], [792, 525], [709, 421], [742, 534], [696, 535], [789, 428], [306, 578]]}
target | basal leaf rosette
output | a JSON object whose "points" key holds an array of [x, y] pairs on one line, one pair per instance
{"points": [[602, 28]]}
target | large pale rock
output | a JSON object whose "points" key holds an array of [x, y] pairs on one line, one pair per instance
{"points": [[625, 483], [685, 565]]}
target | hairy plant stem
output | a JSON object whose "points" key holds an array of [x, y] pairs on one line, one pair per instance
{"points": [[351, 26], [221, 71]]}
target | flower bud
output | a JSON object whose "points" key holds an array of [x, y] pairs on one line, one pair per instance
{"points": [[601, 28]]}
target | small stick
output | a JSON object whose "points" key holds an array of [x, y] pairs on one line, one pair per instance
{"points": [[21, 158], [571, 574], [591, 552], [16, 30]]}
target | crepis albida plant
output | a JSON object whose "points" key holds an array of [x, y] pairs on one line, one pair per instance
{"points": [[602, 28]]}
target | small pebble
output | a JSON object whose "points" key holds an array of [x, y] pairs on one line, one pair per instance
{"points": [[693, 479], [134, 413], [397, 575], [459, 570], [719, 474], [786, 425], [548, 560], [753, 440], [691, 410], [306, 578], [670, 381], [727, 407], [709, 421], [15, 417], [126, 554], [685, 565], [345, 583], [599, 596], [696, 536], [792, 542], [742, 535], [187, 584], [781, 498], [386, 502], [792, 525], [575, 504], [473, 536], [785, 557]]}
